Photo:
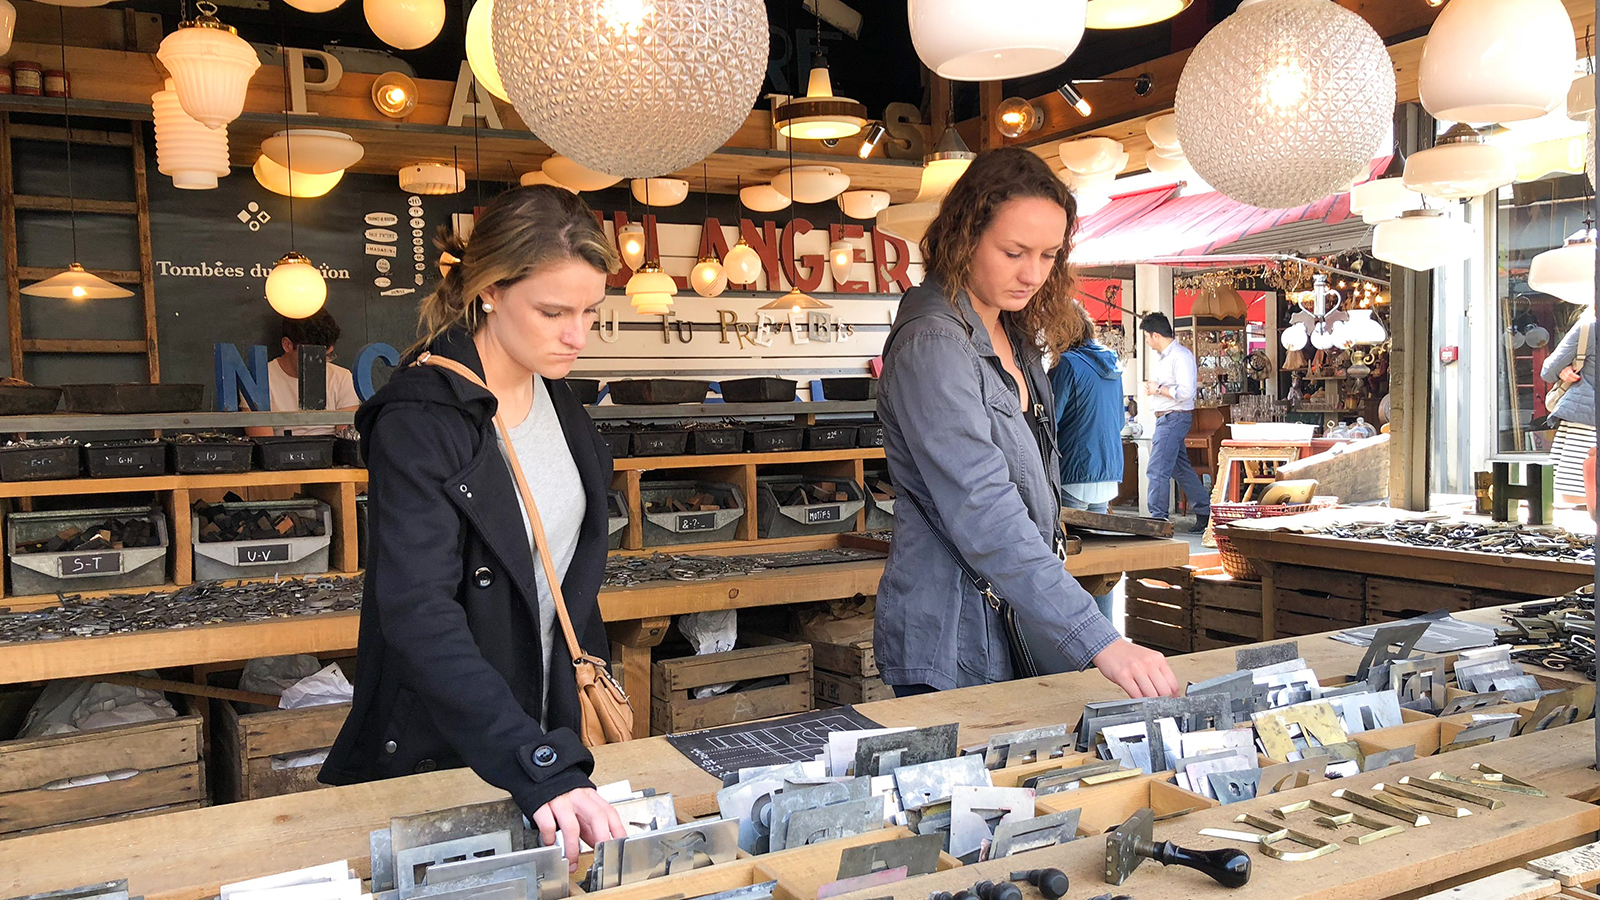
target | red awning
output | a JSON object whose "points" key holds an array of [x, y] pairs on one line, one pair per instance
{"points": [[1122, 208]]}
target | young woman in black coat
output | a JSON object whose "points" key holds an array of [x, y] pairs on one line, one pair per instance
{"points": [[461, 663]]}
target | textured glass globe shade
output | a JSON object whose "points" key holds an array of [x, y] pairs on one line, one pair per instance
{"points": [[1106, 14], [480, 49], [193, 155], [811, 184], [1163, 131], [763, 198], [529, 179], [405, 24], [708, 278], [295, 289], [1497, 60], [275, 178], [863, 204], [841, 259], [1382, 198], [1468, 168], [965, 40], [210, 67], [315, 6], [632, 87], [1090, 155], [577, 177], [1422, 239], [8, 25], [661, 191], [743, 263], [631, 244], [1285, 101], [1566, 272], [313, 151], [432, 178]]}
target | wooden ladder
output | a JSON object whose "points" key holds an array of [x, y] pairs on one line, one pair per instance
{"points": [[141, 280]]}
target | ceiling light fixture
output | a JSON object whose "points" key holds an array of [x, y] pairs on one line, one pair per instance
{"points": [[764, 198], [941, 169], [318, 151], [529, 179], [1462, 163], [1497, 60], [870, 141], [1112, 14], [405, 24], [294, 289], [841, 259], [964, 40], [277, 179], [742, 262], [863, 204], [708, 278], [1015, 117], [394, 94], [650, 290], [631, 244], [576, 176], [819, 115], [1422, 239], [480, 49], [660, 191], [811, 184], [210, 67], [1567, 271], [432, 178], [316, 6], [8, 25]]}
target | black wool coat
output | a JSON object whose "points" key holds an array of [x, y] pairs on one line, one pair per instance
{"points": [[450, 663]]}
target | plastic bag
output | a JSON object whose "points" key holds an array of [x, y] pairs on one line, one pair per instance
{"points": [[65, 707], [713, 631], [327, 685], [275, 674]]}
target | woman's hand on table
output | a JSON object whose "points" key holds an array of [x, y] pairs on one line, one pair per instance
{"points": [[1139, 671], [579, 813]]}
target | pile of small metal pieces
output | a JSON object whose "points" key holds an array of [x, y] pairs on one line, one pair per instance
{"points": [[630, 571], [1481, 537], [1557, 633], [203, 603], [208, 437], [36, 443]]}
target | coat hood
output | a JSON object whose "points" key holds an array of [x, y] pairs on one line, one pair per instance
{"points": [[1101, 359]]}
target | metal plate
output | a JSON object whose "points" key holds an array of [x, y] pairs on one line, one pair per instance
{"points": [[104, 890], [919, 855], [1256, 657], [1123, 845], [544, 866], [1390, 643], [1384, 758], [786, 803], [884, 753], [931, 782], [1038, 832], [1317, 720], [1368, 710], [679, 849], [814, 826], [861, 883], [411, 861], [1470, 702], [1040, 749], [997, 752], [1496, 728], [972, 808], [405, 832], [761, 891], [643, 814], [1231, 787], [1291, 775]]}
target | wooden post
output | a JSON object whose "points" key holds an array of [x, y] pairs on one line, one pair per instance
{"points": [[630, 652], [8, 224], [1411, 331], [1269, 599], [990, 93], [180, 536]]}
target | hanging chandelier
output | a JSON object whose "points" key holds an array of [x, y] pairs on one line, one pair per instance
{"points": [[819, 115]]}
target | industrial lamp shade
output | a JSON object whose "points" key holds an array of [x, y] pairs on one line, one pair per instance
{"points": [[795, 301], [708, 278], [863, 204], [743, 263], [210, 67], [433, 178], [1285, 102], [660, 191], [763, 198], [1106, 14], [819, 115], [941, 169], [405, 24], [1422, 239], [1497, 60], [480, 49], [631, 244], [1460, 165], [276, 179], [811, 184], [76, 284], [193, 155], [295, 289], [314, 151], [8, 25], [964, 40], [1567, 271], [577, 177], [634, 88], [841, 259]]}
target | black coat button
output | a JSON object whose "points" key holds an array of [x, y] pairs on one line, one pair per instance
{"points": [[390, 747], [544, 756], [483, 577], [425, 765]]}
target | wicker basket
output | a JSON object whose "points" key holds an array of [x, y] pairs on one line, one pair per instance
{"points": [[1233, 562]]}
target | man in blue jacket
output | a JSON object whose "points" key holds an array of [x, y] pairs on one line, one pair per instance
{"points": [[1087, 382]]}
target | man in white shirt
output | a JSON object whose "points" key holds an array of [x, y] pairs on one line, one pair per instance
{"points": [[1171, 390], [283, 374]]}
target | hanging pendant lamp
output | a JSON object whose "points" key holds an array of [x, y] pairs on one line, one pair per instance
{"points": [[941, 169], [294, 289], [650, 290], [811, 184], [317, 151], [278, 180], [191, 154], [1567, 271], [1461, 164], [1108, 14], [1423, 239], [210, 66], [1497, 60], [576, 176], [708, 278], [795, 301], [819, 115], [631, 244], [405, 24], [841, 259], [8, 25], [763, 198], [1386, 196], [863, 204], [743, 263], [969, 40], [480, 49]]}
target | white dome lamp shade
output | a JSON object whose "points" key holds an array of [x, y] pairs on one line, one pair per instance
{"points": [[1109, 14], [1295, 337], [1461, 164], [1163, 131], [193, 155], [743, 263], [1364, 329], [480, 49], [863, 204], [1090, 155], [576, 176], [1167, 162], [432, 178], [538, 176], [314, 151], [1567, 271], [1386, 196], [819, 115], [764, 198], [1497, 60], [278, 180], [660, 191], [315, 6], [708, 278], [210, 67], [631, 244], [811, 184], [1423, 239], [8, 25], [295, 289], [76, 283], [941, 169], [405, 24], [964, 40], [1580, 97]]}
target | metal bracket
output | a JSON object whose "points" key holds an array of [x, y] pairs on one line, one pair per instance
{"points": [[971, 809], [918, 854], [1422, 803], [881, 754], [1445, 790], [1275, 834], [1383, 805], [1033, 834]]}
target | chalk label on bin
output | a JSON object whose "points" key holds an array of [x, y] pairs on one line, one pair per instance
{"points": [[261, 553], [823, 514], [703, 522], [90, 564]]}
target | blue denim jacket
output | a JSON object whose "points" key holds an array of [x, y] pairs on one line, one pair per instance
{"points": [[958, 439]]}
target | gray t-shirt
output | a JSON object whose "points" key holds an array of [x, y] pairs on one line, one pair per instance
{"points": [[541, 448]]}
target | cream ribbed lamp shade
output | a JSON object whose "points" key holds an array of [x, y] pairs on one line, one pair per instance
{"points": [[405, 24], [193, 155], [295, 289], [432, 178], [987, 40], [1285, 102], [632, 87], [275, 178], [210, 67], [314, 151], [1422, 239], [660, 191], [1567, 271], [1497, 60], [480, 49], [650, 290]]}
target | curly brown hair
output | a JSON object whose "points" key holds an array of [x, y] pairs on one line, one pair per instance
{"points": [[952, 239]]}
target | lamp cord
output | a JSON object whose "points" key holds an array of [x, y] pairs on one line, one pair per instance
{"points": [[288, 139], [66, 112]]}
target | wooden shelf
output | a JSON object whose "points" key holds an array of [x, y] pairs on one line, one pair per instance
{"points": [[652, 463], [73, 422], [44, 601], [719, 410], [68, 486]]}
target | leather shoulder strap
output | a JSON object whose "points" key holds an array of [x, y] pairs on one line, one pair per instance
{"points": [[527, 499]]}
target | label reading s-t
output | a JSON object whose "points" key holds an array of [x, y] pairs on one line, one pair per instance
{"points": [[90, 564], [261, 553]]}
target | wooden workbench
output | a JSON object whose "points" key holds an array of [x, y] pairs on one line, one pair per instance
{"points": [[187, 855]]}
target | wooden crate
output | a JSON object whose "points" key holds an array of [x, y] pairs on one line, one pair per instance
{"points": [[1159, 605], [1300, 613], [1226, 612], [246, 743], [1396, 598], [673, 707], [834, 689], [166, 755], [1328, 582], [854, 658], [1106, 806]]}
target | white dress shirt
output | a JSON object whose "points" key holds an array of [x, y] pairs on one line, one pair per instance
{"points": [[1174, 368]]}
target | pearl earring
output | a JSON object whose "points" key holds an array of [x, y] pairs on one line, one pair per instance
{"points": [[488, 307]]}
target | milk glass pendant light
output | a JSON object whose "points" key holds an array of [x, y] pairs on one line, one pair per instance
{"points": [[708, 278], [75, 283], [650, 290], [480, 49], [795, 301], [969, 40], [295, 289], [819, 115], [317, 151], [1461, 164], [315, 6], [1105, 14], [631, 244], [811, 184], [1386, 196], [863, 204], [1285, 102], [763, 198], [537, 176], [8, 25], [841, 259], [405, 24], [743, 263], [193, 155], [210, 67], [1567, 271], [1422, 239], [941, 169], [432, 178], [660, 191], [277, 179], [1497, 60], [575, 176]]}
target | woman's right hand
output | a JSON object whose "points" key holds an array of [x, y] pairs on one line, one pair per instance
{"points": [[1570, 375], [1139, 671], [578, 813]]}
